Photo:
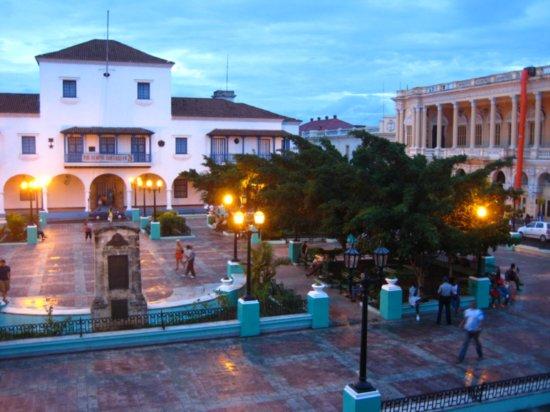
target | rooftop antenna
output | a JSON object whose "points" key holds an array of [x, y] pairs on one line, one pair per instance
{"points": [[107, 74], [227, 73]]}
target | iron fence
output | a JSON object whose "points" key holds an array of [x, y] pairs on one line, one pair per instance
{"points": [[484, 392], [82, 326], [273, 307]]}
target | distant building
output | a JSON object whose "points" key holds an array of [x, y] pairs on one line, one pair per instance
{"points": [[386, 128]]}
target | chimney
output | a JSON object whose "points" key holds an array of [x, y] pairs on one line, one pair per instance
{"points": [[224, 95], [326, 117], [334, 117]]}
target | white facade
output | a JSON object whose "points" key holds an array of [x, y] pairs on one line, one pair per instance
{"points": [[72, 162]]}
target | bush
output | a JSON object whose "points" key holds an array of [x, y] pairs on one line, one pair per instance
{"points": [[172, 224], [15, 229]]}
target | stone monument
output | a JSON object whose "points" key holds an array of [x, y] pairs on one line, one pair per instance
{"points": [[118, 292]]}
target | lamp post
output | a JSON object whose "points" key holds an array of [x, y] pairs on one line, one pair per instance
{"points": [[481, 213], [228, 201], [140, 184], [133, 185], [31, 188], [351, 260], [154, 186], [246, 220]]}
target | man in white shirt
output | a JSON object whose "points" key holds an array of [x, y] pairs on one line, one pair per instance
{"points": [[473, 317]]}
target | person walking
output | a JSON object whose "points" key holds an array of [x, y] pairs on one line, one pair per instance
{"points": [[179, 255], [5, 275], [87, 229], [110, 216], [444, 294], [455, 296], [473, 317], [190, 261]]}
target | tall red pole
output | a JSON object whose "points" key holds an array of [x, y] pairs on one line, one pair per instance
{"points": [[521, 128]]}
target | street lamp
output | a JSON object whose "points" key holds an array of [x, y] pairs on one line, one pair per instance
{"points": [[133, 184], [31, 188], [380, 255], [351, 260], [481, 213], [246, 221], [154, 186], [228, 201]]}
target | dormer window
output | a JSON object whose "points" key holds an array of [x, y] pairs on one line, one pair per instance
{"points": [[69, 89], [143, 91]]}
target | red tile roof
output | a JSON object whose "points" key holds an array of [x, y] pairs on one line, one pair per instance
{"points": [[95, 50], [208, 107], [325, 124], [19, 103], [249, 133]]}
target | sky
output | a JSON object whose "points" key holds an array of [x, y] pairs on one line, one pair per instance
{"points": [[299, 58]]}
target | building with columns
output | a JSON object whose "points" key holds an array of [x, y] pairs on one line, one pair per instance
{"points": [[96, 127], [479, 118]]}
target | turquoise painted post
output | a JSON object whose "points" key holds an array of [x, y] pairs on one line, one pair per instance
{"points": [[361, 401], [248, 314], [256, 237], [489, 264], [133, 214], [32, 235], [155, 231], [318, 306], [234, 268], [43, 218], [294, 251], [479, 289], [391, 302], [143, 220]]}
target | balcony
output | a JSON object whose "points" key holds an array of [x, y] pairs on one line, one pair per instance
{"points": [[107, 159], [485, 153]]}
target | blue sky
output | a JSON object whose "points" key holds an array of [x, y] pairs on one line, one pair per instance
{"points": [[299, 58]]}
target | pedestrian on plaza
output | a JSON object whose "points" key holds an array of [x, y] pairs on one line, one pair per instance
{"points": [[473, 317], [110, 216], [87, 229], [415, 299], [494, 294], [5, 275], [512, 275], [444, 293], [190, 268], [455, 296], [179, 254]]}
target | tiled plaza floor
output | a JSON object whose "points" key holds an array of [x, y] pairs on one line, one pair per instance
{"points": [[302, 370]]}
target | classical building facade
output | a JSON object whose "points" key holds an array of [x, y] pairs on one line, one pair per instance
{"points": [[479, 118], [95, 127]]}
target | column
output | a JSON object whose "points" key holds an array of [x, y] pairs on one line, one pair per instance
{"points": [[129, 194], [492, 116], [45, 198], [538, 101], [472, 124], [168, 199], [455, 125], [414, 127], [418, 110], [439, 121], [397, 123], [2, 210], [514, 121], [424, 128], [403, 127], [86, 199]]}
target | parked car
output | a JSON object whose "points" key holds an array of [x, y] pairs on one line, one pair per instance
{"points": [[536, 230]]}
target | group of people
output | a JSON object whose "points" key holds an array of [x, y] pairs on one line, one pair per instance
{"points": [[185, 258], [504, 286], [448, 297]]}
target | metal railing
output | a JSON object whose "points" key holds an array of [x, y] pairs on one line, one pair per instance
{"points": [[81, 326], [485, 392], [272, 307]]}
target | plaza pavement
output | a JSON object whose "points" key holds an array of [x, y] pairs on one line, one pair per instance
{"points": [[301, 370]]}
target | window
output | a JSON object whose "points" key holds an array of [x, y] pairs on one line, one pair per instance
{"points": [[286, 144], [461, 136], [180, 188], [479, 137], [143, 91], [69, 88], [264, 147], [540, 225], [497, 134], [107, 145], [181, 145], [28, 145]]}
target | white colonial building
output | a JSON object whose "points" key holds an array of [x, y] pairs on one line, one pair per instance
{"points": [[479, 118], [94, 127]]}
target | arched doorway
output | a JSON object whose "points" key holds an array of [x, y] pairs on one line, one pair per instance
{"points": [[66, 192], [15, 199], [460, 172], [433, 128], [107, 191], [499, 177]]}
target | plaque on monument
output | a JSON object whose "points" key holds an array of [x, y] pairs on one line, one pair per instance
{"points": [[119, 309], [117, 267]]}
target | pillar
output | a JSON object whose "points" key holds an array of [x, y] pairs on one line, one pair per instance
{"points": [[45, 198], [439, 124], [129, 195], [424, 127], [398, 127], [414, 127], [294, 251], [514, 122], [354, 401], [455, 125], [155, 231], [391, 302], [248, 314], [2, 210], [479, 289], [318, 307], [32, 235], [86, 199], [492, 117], [168, 199], [538, 101], [403, 127], [472, 124]]}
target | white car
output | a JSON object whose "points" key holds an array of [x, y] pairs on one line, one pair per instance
{"points": [[537, 230]]}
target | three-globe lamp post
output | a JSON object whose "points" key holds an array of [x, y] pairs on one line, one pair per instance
{"points": [[154, 187], [228, 201], [481, 213], [246, 221]]}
